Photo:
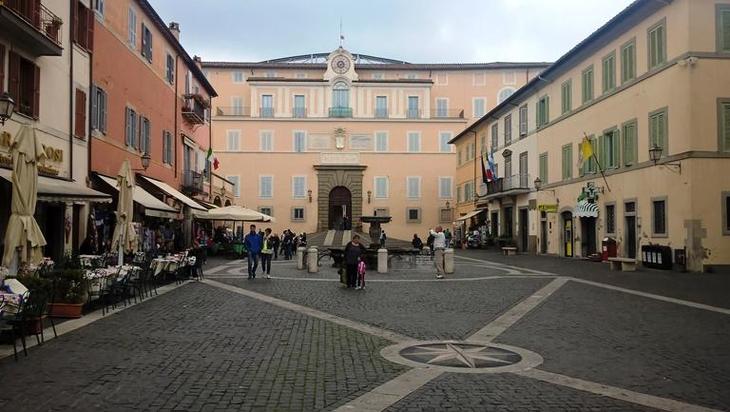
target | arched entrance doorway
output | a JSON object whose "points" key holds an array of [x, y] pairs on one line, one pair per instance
{"points": [[567, 234], [340, 205]]}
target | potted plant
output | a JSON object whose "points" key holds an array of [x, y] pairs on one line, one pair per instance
{"points": [[68, 292]]}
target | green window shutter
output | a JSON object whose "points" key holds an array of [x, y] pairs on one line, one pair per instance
{"points": [[662, 132], [601, 156], [616, 149], [726, 126], [547, 110], [543, 168], [661, 50], [652, 49], [725, 30], [537, 115]]}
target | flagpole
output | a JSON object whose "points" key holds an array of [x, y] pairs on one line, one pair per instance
{"points": [[600, 169]]}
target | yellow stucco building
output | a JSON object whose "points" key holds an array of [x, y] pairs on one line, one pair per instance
{"points": [[651, 90]]}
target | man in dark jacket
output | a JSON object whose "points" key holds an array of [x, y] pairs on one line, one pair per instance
{"points": [[253, 243], [353, 251], [417, 242]]}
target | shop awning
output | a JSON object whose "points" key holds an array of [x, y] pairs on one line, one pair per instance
{"points": [[175, 193], [152, 206], [59, 190], [470, 215], [585, 209], [208, 205], [234, 213]]}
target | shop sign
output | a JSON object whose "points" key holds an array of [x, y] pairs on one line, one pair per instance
{"points": [[52, 155], [548, 208]]}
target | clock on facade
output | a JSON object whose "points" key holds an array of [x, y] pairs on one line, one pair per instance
{"points": [[340, 64]]}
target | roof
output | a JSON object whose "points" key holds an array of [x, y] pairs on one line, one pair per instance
{"points": [[275, 64], [192, 65], [627, 18]]}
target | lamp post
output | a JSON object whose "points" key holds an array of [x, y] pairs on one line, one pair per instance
{"points": [[655, 154], [7, 105], [370, 195], [309, 194], [538, 184]]}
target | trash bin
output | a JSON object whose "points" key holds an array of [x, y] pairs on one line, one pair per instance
{"points": [[656, 256], [608, 248]]}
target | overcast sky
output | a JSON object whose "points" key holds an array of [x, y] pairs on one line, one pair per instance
{"points": [[417, 31]]}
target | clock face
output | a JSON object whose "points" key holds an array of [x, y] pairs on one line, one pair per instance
{"points": [[340, 64]]}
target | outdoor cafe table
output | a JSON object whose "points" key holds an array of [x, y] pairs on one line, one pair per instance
{"points": [[89, 260], [97, 278], [168, 264]]}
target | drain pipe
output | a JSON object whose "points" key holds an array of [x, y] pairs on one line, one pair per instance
{"points": [[72, 27]]}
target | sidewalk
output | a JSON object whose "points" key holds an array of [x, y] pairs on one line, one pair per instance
{"points": [[709, 289]]}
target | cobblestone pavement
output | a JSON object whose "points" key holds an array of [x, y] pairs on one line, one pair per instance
{"points": [[302, 342]]}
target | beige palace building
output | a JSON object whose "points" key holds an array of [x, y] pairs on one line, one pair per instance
{"points": [[651, 89], [310, 139]]}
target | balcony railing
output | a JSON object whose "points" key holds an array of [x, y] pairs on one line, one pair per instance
{"points": [[193, 110], [266, 111], [413, 113], [340, 112], [447, 114], [504, 184], [381, 113], [299, 112], [193, 182], [233, 111], [19, 18]]}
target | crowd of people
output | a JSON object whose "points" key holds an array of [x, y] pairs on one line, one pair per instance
{"points": [[264, 246], [417, 243]]}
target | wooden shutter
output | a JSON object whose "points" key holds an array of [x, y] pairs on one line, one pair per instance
{"points": [[36, 91], [75, 20], [14, 78], [102, 110], [80, 114], [94, 111], [90, 21], [2, 68]]}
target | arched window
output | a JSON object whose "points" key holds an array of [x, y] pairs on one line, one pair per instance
{"points": [[217, 201], [228, 203], [340, 95], [504, 94]]}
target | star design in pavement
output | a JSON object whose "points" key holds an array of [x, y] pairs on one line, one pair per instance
{"points": [[462, 355]]}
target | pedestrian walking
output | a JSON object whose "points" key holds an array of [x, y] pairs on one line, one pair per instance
{"points": [[383, 238], [429, 242], [267, 249], [275, 242], [288, 244], [353, 252], [361, 268], [253, 243], [439, 245]]}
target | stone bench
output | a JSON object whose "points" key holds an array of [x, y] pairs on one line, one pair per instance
{"points": [[509, 250], [624, 264]]}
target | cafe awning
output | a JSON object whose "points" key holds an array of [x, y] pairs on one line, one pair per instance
{"points": [[470, 215], [175, 193], [60, 190], [586, 209], [152, 206], [234, 213]]}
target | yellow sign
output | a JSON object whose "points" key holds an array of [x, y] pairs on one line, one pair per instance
{"points": [[548, 208], [52, 154]]}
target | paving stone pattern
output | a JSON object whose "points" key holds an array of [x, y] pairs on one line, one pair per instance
{"points": [[631, 342], [198, 348], [504, 392]]}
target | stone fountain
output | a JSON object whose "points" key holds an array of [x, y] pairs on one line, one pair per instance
{"points": [[375, 229]]}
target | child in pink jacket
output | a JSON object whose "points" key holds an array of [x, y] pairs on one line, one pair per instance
{"points": [[361, 267]]}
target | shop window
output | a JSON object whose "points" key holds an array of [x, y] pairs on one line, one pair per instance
{"points": [[659, 217]]}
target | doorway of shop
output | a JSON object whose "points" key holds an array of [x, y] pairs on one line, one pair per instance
{"points": [[524, 228], [508, 227], [588, 236], [543, 232], [630, 219], [567, 234]]}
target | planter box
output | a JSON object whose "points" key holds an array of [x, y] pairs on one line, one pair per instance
{"points": [[65, 310]]}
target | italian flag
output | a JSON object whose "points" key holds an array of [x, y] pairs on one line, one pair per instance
{"points": [[212, 158]]}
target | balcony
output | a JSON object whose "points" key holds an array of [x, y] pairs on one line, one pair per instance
{"points": [[30, 25], [447, 114], [192, 182], [299, 112], [340, 112], [413, 113], [381, 113], [511, 185], [193, 110], [267, 112]]}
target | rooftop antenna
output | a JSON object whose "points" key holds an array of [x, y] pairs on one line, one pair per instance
{"points": [[342, 37]]}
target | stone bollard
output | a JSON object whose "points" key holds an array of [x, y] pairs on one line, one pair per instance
{"points": [[382, 260], [449, 261], [312, 266], [300, 257]]}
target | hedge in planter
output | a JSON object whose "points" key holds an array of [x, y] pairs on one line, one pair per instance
{"points": [[68, 289]]}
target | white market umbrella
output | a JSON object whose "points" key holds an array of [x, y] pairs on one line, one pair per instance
{"points": [[234, 213], [125, 237], [23, 234]]}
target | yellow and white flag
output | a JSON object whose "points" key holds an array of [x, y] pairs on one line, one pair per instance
{"points": [[585, 151]]}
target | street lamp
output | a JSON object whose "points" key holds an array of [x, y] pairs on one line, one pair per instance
{"points": [[448, 205], [7, 105], [538, 184], [145, 161], [309, 193], [370, 195], [655, 154]]}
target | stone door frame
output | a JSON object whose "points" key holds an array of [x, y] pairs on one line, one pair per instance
{"points": [[331, 176]]}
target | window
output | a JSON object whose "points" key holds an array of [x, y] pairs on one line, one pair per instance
{"points": [[414, 142], [237, 76], [413, 110], [483, 142], [340, 95], [130, 138], [590, 165], [381, 187], [236, 185], [297, 214], [267, 105], [659, 217], [468, 191], [444, 146], [657, 45], [233, 137], [495, 136], [543, 111], [723, 27], [658, 130], [523, 121], [610, 219], [566, 96], [587, 83], [299, 107], [413, 187], [166, 147], [479, 107], [628, 61], [446, 215], [99, 7], [144, 134], [381, 141], [445, 184], [132, 27], [609, 150], [413, 215], [266, 187], [300, 141], [509, 77], [98, 109], [442, 107], [24, 87], [299, 187], [723, 117], [725, 213], [80, 114], [83, 26], [630, 144], [609, 72], [508, 129], [266, 141], [567, 161], [146, 49], [170, 72], [460, 160], [480, 79], [544, 168], [381, 107], [459, 194], [505, 94], [267, 210], [508, 166], [442, 79], [237, 102]]}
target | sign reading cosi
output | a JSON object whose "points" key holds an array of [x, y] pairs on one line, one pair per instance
{"points": [[52, 154]]}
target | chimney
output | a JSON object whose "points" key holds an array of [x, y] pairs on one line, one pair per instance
{"points": [[175, 30], [198, 61]]}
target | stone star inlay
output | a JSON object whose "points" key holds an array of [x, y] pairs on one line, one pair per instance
{"points": [[461, 355]]}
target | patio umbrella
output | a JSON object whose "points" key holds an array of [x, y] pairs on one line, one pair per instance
{"points": [[234, 213], [23, 234], [125, 237]]}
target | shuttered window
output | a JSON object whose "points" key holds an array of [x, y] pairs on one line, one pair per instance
{"points": [[413, 187], [233, 137], [657, 45], [630, 143], [566, 96], [146, 49], [609, 150], [587, 85], [414, 142], [2, 68], [508, 129], [381, 187], [132, 27], [236, 185], [609, 73], [544, 168], [266, 184], [628, 62], [166, 147], [144, 134], [445, 184], [24, 85], [523, 121], [543, 111], [724, 117], [381, 141], [266, 143], [723, 27], [299, 187], [300, 141], [130, 128], [170, 69], [658, 130], [659, 214], [80, 114], [98, 109], [83, 19], [567, 161], [590, 165], [495, 136]]}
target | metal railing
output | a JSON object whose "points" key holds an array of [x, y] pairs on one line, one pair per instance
{"points": [[514, 182], [193, 110], [413, 113], [266, 112], [340, 112], [299, 112], [233, 111], [447, 114], [381, 113], [193, 181], [38, 16]]}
